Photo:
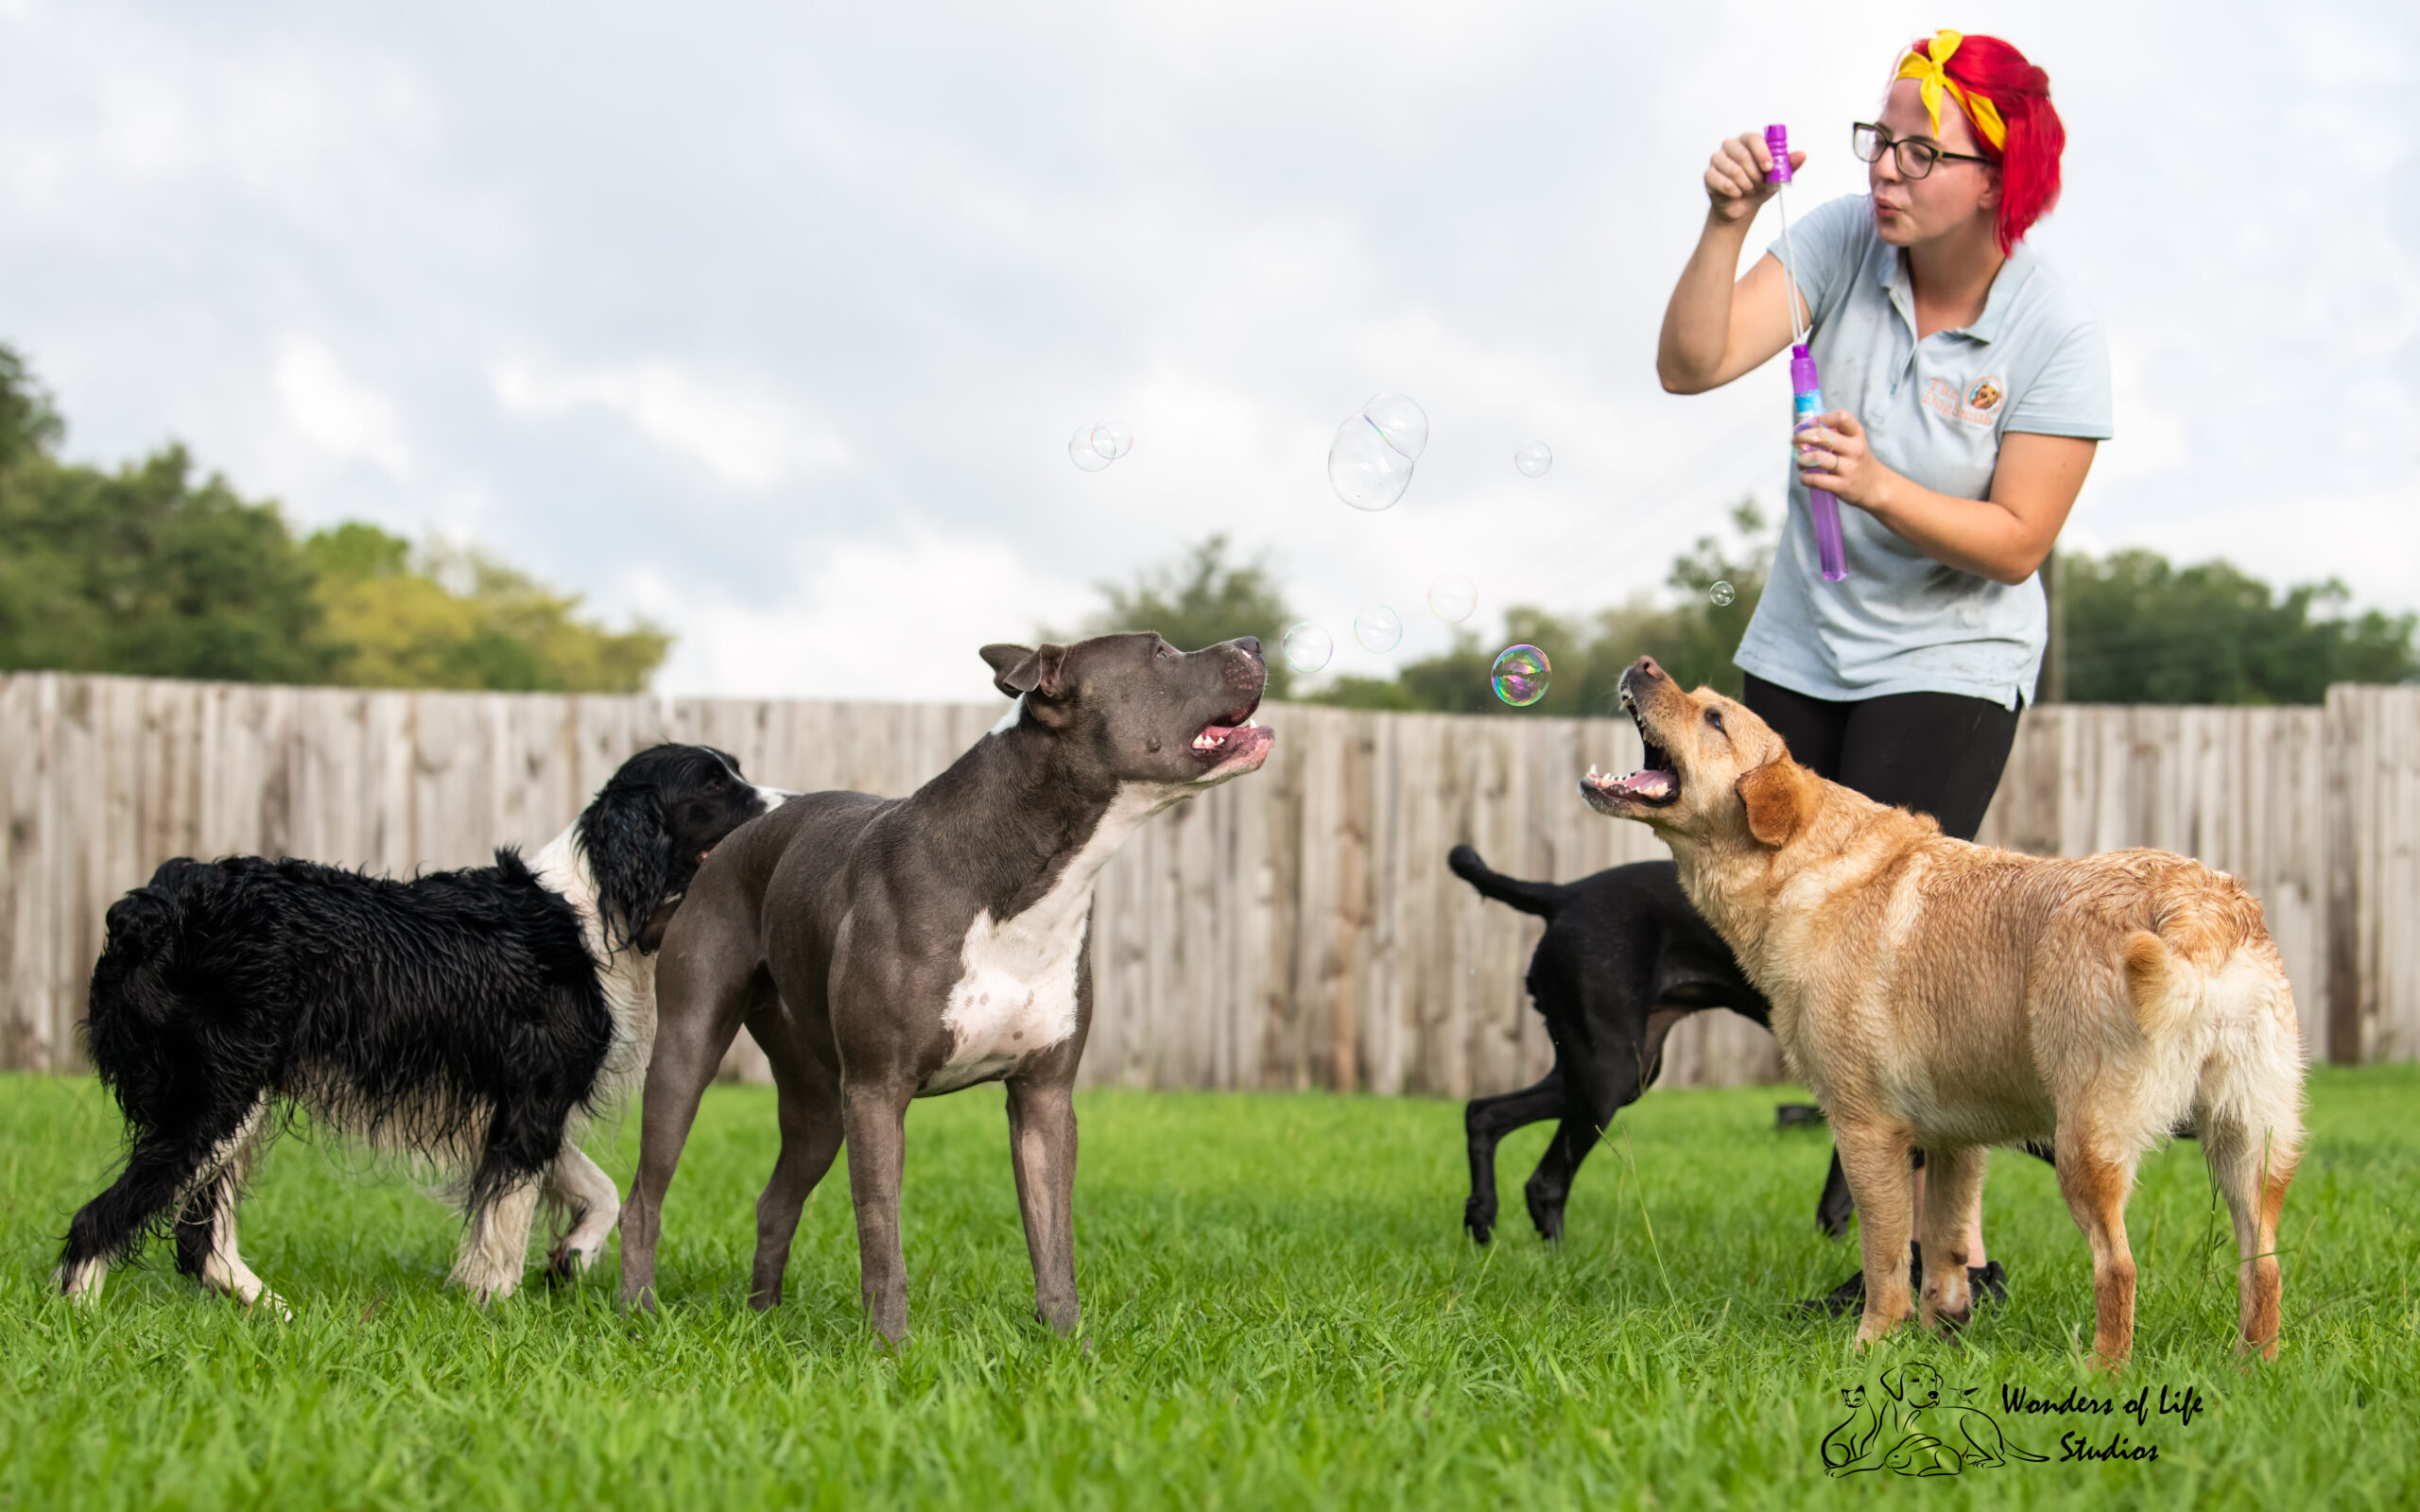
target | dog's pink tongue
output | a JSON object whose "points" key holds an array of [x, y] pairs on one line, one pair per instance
{"points": [[1648, 784]]}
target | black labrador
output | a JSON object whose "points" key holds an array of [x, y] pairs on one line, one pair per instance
{"points": [[1623, 959]]}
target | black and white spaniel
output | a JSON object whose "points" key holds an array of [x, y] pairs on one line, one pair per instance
{"points": [[472, 1019]]}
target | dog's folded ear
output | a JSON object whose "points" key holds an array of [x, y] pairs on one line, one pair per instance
{"points": [[1779, 801], [1017, 669], [629, 855]]}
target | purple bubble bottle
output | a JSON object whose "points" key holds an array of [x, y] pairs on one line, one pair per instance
{"points": [[1806, 388]]}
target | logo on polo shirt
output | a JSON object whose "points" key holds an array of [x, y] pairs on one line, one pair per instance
{"points": [[1973, 407]]}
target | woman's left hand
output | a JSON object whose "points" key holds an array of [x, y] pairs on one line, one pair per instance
{"points": [[1833, 458]]}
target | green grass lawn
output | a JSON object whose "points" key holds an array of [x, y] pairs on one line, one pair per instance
{"points": [[1280, 1307]]}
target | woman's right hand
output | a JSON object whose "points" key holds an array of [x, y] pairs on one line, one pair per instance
{"points": [[1735, 178]]}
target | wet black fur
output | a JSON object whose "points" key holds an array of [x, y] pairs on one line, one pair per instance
{"points": [[461, 1010]]}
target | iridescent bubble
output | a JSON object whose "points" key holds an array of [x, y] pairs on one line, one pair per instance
{"points": [[1721, 595], [1452, 597], [1081, 451], [1113, 439], [1521, 675], [1365, 471], [1533, 458], [1404, 423], [1378, 628], [1308, 647]]}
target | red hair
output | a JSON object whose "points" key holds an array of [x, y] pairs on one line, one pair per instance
{"points": [[2029, 160]]}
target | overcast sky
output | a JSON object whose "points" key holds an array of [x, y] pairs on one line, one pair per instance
{"points": [[773, 322]]}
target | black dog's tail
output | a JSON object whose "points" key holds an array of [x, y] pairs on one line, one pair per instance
{"points": [[1544, 899]]}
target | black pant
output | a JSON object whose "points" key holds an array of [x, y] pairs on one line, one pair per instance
{"points": [[1938, 753]]}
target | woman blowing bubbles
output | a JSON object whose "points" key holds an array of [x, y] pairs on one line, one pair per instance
{"points": [[1974, 385]]}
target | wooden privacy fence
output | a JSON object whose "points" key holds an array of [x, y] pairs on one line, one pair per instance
{"points": [[1295, 928]]}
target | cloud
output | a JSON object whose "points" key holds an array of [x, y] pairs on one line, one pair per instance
{"points": [[742, 435], [898, 618], [343, 418]]}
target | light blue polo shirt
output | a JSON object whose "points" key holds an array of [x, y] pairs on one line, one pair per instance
{"points": [[1933, 411]]}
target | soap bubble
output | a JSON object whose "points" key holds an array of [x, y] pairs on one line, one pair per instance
{"points": [[1722, 594], [1521, 675], [1452, 597], [1366, 473], [1403, 423], [1378, 628], [1095, 446], [1533, 458], [1081, 451], [1308, 647]]}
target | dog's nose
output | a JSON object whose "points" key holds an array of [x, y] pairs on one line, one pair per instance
{"points": [[1250, 642], [1645, 666]]}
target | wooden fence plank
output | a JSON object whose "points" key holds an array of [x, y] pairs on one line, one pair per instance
{"points": [[1293, 929]]}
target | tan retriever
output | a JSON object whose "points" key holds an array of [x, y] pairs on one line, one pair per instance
{"points": [[1948, 996]]}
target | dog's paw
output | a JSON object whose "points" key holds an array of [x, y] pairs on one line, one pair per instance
{"points": [[1873, 1328], [1948, 1307], [485, 1288], [1545, 1213], [1945, 1320], [80, 1285], [1478, 1221], [565, 1265]]}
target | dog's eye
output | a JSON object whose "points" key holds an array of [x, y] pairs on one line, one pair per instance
{"points": [[1714, 717], [1165, 651]]}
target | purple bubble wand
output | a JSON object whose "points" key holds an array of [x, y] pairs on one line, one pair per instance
{"points": [[1806, 388]]}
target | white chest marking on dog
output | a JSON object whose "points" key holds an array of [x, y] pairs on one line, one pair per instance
{"points": [[1009, 721], [1017, 994], [628, 977]]}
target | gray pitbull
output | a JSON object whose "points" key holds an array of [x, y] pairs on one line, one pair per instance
{"points": [[883, 950]]}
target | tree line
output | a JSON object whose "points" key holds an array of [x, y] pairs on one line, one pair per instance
{"points": [[2130, 627], [151, 569]]}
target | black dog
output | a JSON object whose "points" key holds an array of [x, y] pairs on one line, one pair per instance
{"points": [[464, 1016], [1623, 959]]}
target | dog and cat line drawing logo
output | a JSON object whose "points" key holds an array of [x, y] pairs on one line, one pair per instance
{"points": [[1908, 1428]]}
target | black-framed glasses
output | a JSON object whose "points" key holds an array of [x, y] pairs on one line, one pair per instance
{"points": [[1916, 155]]}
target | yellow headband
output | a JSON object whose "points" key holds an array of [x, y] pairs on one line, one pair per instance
{"points": [[1932, 78]]}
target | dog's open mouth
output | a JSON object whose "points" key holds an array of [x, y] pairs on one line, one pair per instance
{"points": [[1231, 737], [1657, 783]]}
